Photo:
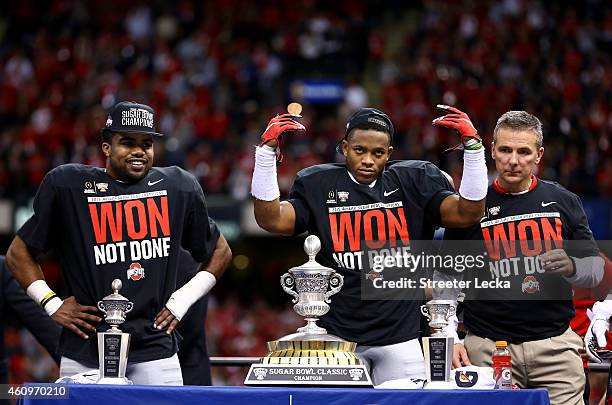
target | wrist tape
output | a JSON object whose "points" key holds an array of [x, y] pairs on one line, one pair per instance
{"points": [[40, 292], [182, 299]]}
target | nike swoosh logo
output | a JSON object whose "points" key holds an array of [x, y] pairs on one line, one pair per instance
{"points": [[388, 193], [152, 183], [548, 203]]}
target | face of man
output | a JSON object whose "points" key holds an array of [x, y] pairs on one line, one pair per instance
{"points": [[129, 156], [516, 154], [367, 152]]}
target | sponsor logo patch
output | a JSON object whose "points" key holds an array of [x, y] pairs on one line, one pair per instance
{"points": [[89, 188], [343, 196], [102, 187], [331, 197]]}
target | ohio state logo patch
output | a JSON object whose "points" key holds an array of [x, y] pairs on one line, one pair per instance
{"points": [[530, 285], [135, 272]]}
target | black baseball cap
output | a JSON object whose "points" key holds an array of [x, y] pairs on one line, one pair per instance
{"points": [[131, 117], [373, 117]]}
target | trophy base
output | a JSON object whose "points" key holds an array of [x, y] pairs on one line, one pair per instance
{"points": [[113, 350], [304, 375], [310, 361], [438, 354], [114, 381]]}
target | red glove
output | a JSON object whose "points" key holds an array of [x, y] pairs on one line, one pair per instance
{"points": [[277, 127], [459, 121]]}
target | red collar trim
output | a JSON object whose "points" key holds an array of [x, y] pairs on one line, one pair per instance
{"points": [[499, 189]]}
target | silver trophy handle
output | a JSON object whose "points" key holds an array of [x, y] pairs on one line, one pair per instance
{"points": [[425, 311], [129, 307], [336, 281], [451, 312], [101, 307], [287, 282]]}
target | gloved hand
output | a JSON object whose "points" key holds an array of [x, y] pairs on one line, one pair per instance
{"points": [[276, 128], [458, 120], [595, 337]]}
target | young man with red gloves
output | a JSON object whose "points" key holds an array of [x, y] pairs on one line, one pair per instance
{"points": [[370, 198]]}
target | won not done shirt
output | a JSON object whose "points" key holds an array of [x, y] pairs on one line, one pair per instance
{"points": [[102, 229]]}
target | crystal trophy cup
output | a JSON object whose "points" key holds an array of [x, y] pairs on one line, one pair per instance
{"points": [[113, 345], [310, 356], [438, 348]]}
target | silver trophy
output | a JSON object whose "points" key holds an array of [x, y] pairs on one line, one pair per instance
{"points": [[113, 345], [311, 356], [311, 285], [438, 348]]}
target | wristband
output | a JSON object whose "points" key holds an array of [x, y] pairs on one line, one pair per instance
{"points": [[40, 292]]}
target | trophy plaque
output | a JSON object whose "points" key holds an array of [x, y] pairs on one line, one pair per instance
{"points": [[113, 345], [438, 348], [311, 356]]}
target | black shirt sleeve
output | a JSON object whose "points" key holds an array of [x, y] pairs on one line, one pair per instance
{"points": [[33, 317], [297, 198], [38, 231], [201, 233], [434, 188]]}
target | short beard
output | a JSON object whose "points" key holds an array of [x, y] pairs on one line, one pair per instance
{"points": [[125, 176]]}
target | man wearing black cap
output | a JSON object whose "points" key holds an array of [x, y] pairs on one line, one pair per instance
{"points": [[126, 221], [367, 202]]}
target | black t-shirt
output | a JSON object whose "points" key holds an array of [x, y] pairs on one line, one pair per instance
{"points": [[103, 229], [403, 205], [532, 305]]}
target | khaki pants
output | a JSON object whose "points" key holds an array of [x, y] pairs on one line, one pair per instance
{"points": [[552, 363]]}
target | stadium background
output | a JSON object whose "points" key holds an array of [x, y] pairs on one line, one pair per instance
{"points": [[216, 71]]}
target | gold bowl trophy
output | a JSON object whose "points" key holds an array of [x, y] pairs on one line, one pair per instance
{"points": [[113, 345], [438, 348], [310, 356]]}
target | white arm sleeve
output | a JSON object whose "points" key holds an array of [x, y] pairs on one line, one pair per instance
{"points": [[264, 185], [474, 181]]}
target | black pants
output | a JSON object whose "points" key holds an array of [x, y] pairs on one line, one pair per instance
{"points": [[193, 354]]}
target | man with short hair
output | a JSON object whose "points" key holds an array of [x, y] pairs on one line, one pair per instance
{"points": [[525, 217], [126, 221], [370, 200]]}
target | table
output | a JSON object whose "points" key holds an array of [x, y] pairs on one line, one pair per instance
{"points": [[143, 394]]}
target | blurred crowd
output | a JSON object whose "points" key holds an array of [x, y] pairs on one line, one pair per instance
{"points": [[216, 71]]}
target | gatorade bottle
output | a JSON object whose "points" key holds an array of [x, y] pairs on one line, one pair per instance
{"points": [[502, 366]]}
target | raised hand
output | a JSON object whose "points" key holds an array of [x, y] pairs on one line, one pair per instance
{"points": [[459, 121], [278, 126]]}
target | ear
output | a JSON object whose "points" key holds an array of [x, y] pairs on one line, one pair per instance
{"points": [[493, 150], [540, 154], [389, 152], [344, 147], [106, 149]]}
